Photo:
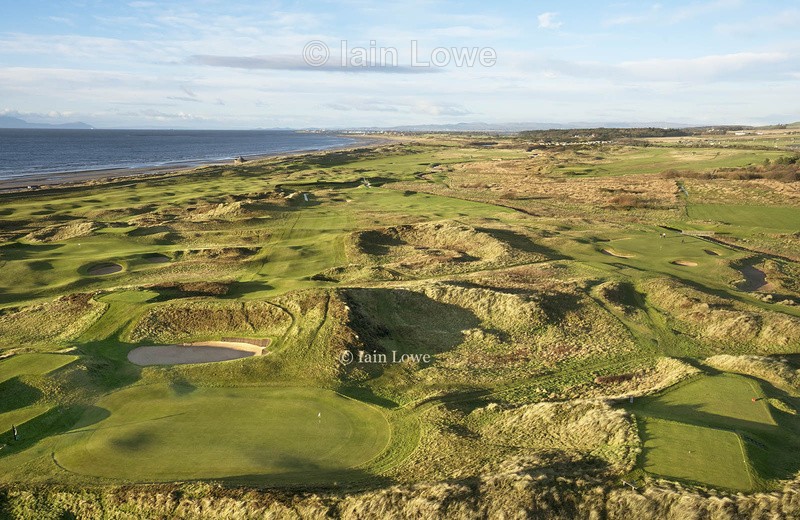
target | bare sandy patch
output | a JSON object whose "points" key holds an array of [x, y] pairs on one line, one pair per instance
{"points": [[190, 353], [611, 252], [104, 268], [684, 263], [156, 258]]}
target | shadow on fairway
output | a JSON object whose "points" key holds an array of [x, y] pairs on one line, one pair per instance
{"points": [[15, 394], [56, 421]]}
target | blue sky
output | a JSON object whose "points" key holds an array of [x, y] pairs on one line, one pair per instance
{"points": [[229, 64]]}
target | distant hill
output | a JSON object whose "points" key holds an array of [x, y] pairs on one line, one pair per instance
{"points": [[15, 122], [519, 127]]}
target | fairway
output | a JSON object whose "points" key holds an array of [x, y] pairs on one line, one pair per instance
{"points": [[32, 365], [161, 433], [683, 451], [768, 217]]}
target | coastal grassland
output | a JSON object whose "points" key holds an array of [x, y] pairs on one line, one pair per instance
{"points": [[620, 160], [541, 282]]}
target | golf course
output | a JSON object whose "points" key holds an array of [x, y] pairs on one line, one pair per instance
{"points": [[435, 310]]}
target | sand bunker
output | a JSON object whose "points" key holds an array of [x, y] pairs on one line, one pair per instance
{"points": [[711, 252], [611, 252], [684, 263], [105, 268], [156, 258], [202, 352]]}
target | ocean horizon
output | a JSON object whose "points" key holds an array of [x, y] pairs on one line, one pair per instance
{"points": [[45, 153]]}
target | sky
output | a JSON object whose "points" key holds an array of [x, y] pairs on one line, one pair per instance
{"points": [[356, 63]]}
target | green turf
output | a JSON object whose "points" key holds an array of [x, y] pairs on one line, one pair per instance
{"points": [[272, 435], [715, 413], [32, 365], [778, 218], [724, 400], [267, 435], [693, 453], [20, 416]]}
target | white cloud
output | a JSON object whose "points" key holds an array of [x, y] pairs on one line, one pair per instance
{"points": [[696, 10], [735, 67], [548, 21]]}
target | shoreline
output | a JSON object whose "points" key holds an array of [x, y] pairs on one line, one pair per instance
{"points": [[71, 179]]}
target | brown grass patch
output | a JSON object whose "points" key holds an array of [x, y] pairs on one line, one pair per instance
{"points": [[61, 232]]}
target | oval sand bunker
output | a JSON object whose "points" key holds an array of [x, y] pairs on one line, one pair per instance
{"points": [[684, 263], [204, 352], [611, 252], [104, 268], [156, 258]]}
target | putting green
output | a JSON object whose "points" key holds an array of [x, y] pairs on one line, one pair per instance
{"points": [[688, 452], [275, 435], [721, 401], [715, 430]]}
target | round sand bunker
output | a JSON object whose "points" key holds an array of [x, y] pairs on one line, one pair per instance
{"points": [[684, 263], [203, 352], [104, 268]]}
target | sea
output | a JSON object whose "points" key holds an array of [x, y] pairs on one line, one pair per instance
{"points": [[40, 154]]}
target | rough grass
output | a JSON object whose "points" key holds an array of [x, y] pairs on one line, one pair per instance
{"points": [[774, 370], [181, 321], [487, 256], [717, 321], [50, 324], [589, 427], [60, 232], [434, 248], [664, 373]]}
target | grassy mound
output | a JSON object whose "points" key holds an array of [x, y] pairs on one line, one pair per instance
{"points": [[435, 247], [60, 320], [591, 428], [714, 319], [203, 319], [664, 373], [61, 232], [32, 365], [774, 370]]}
